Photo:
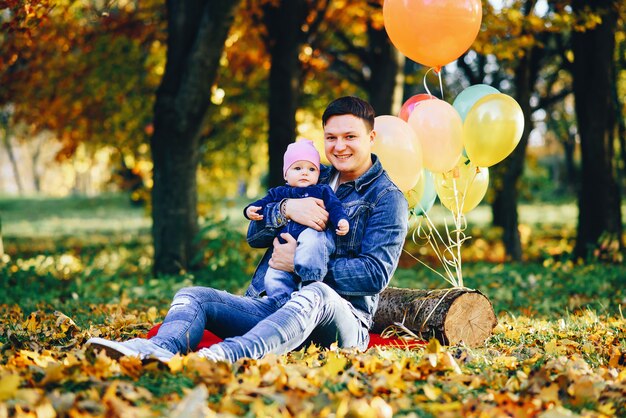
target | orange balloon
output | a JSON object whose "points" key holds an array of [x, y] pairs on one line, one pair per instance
{"points": [[432, 33]]}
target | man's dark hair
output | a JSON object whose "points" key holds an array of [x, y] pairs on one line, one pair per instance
{"points": [[350, 105]]}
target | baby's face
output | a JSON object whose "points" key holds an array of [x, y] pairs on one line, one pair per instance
{"points": [[302, 174]]}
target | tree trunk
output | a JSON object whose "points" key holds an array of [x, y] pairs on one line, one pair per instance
{"points": [[386, 82], [285, 36], [599, 197], [504, 206], [571, 181], [1, 241], [35, 163], [9, 149], [197, 30], [450, 315]]}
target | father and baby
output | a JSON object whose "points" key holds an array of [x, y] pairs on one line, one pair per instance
{"points": [[334, 237]]}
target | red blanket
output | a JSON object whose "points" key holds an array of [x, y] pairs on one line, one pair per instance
{"points": [[208, 339]]}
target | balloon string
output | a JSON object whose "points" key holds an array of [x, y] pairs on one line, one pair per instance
{"points": [[426, 85], [440, 81]]}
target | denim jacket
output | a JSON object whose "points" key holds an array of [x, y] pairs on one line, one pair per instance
{"points": [[320, 191], [367, 256]]}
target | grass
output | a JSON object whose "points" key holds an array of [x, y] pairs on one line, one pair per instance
{"points": [[95, 250]]}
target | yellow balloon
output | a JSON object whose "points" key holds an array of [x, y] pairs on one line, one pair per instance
{"points": [[462, 188], [414, 195], [492, 129], [399, 151], [440, 131]]}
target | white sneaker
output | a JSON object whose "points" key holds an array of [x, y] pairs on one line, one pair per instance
{"points": [[137, 347], [214, 353]]}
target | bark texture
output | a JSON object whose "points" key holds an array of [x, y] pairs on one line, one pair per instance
{"points": [[197, 30], [450, 315], [599, 213]]}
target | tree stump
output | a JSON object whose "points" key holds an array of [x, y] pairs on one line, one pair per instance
{"points": [[451, 315]]}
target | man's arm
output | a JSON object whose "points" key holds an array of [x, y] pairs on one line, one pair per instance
{"points": [[369, 273]]}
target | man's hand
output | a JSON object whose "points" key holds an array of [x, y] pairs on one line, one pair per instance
{"points": [[251, 213], [283, 255], [343, 226], [308, 211]]}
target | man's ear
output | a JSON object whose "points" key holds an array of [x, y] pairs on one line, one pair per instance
{"points": [[372, 135]]}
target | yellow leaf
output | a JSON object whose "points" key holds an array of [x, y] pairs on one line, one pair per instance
{"points": [[437, 408], [32, 323], [606, 408], [8, 386], [334, 364], [550, 393], [152, 314], [431, 392], [382, 408], [433, 346], [616, 355], [355, 387], [551, 347], [509, 362], [584, 390], [54, 373], [176, 363]]}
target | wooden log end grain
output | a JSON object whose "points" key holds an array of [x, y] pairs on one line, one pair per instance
{"points": [[453, 316]]}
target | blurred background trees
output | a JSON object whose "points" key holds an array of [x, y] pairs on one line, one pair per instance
{"points": [[196, 101]]}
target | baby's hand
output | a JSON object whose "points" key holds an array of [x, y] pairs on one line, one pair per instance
{"points": [[252, 214], [343, 226]]}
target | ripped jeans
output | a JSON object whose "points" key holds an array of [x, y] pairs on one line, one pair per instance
{"points": [[253, 327], [310, 263]]}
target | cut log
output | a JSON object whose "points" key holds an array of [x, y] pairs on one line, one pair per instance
{"points": [[451, 315]]}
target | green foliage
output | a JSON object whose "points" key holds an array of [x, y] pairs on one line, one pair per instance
{"points": [[533, 288], [225, 254]]}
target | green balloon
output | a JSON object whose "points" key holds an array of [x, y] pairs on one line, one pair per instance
{"points": [[466, 99]]}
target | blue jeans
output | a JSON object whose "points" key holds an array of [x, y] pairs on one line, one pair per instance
{"points": [[253, 327], [311, 265]]}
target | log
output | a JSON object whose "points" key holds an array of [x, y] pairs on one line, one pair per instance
{"points": [[451, 315]]}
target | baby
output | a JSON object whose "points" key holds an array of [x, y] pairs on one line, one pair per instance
{"points": [[301, 169]]}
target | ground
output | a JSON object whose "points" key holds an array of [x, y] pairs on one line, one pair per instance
{"points": [[81, 267]]}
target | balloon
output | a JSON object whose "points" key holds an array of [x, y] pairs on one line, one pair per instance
{"points": [[492, 129], [414, 195], [399, 150], [422, 196], [439, 129], [466, 99], [408, 106], [462, 188], [432, 33]]}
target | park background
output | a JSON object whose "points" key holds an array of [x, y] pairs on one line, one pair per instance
{"points": [[126, 161]]}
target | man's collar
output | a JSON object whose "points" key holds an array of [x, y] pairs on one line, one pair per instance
{"points": [[366, 178]]}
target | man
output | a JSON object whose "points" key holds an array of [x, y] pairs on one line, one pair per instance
{"points": [[339, 309]]}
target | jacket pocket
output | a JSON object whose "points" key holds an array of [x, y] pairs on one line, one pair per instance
{"points": [[358, 213]]}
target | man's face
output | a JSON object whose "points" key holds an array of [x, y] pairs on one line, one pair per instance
{"points": [[348, 145], [302, 174]]}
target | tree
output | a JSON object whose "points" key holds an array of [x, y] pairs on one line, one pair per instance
{"points": [[522, 42], [358, 49], [197, 31], [290, 24], [594, 84]]}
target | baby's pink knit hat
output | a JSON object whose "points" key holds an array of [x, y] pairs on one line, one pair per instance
{"points": [[300, 151]]}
